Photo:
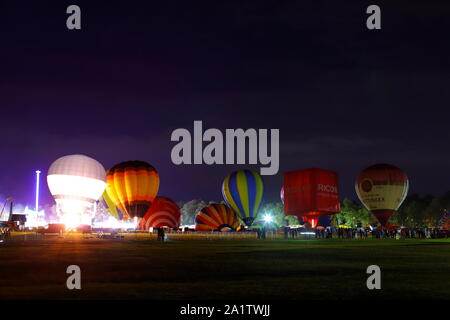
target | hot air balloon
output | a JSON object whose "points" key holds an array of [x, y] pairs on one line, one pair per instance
{"points": [[382, 189], [444, 222], [216, 217], [76, 182], [111, 207], [132, 186], [164, 212], [310, 194], [243, 191]]}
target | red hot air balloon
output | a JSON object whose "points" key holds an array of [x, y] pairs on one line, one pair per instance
{"points": [[310, 194], [382, 189], [164, 212]]}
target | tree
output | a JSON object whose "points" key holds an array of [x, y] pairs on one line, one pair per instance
{"points": [[351, 213], [276, 210], [189, 211], [434, 212], [410, 213]]}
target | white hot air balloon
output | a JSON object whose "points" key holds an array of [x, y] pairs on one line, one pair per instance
{"points": [[76, 182]]}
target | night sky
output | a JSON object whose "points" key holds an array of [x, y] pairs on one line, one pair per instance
{"points": [[343, 97]]}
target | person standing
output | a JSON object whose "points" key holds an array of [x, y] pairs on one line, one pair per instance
{"points": [[159, 234]]}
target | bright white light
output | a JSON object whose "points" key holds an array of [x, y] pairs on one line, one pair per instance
{"points": [[34, 218], [71, 221], [113, 223], [38, 172], [267, 218], [65, 187], [307, 233]]}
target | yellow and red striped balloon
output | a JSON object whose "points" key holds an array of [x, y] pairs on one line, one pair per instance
{"points": [[132, 186], [164, 212], [216, 217]]}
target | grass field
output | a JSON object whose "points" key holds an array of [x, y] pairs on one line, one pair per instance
{"points": [[225, 269]]}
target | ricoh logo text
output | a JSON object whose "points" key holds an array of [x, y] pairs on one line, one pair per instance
{"points": [[327, 188], [320, 187], [237, 142]]}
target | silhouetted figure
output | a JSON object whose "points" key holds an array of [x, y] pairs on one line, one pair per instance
{"points": [[161, 234]]}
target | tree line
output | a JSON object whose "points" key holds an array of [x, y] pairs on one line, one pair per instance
{"points": [[416, 211]]}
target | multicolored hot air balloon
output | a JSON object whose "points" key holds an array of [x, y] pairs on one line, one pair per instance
{"points": [[164, 212], [216, 217], [382, 189], [132, 186], [111, 207], [243, 192], [310, 194], [444, 222], [76, 182]]}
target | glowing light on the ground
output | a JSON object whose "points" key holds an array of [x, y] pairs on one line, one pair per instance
{"points": [[73, 220], [34, 218], [268, 218], [113, 223], [73, 213]]}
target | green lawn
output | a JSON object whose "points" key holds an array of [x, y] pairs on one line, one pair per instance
{"points": [[227, 269]]}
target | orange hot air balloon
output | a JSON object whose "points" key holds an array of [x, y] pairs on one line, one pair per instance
{"points": [[382, 189], [164, 212], [132, 186]]}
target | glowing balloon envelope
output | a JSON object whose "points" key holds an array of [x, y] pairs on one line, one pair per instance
{"points": [[382, 189], [132, 186], [76, 182], [216, 217], [164, 212], [243, 191]]}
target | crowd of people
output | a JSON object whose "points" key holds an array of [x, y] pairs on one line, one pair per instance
{"points": [[364, 233]]}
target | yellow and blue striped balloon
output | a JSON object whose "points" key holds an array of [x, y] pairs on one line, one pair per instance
{"points": [[243, 191]]}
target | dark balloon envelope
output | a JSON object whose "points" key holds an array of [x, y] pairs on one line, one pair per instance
{"points": [[382, 188], [310, 194], [132, 186]]}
